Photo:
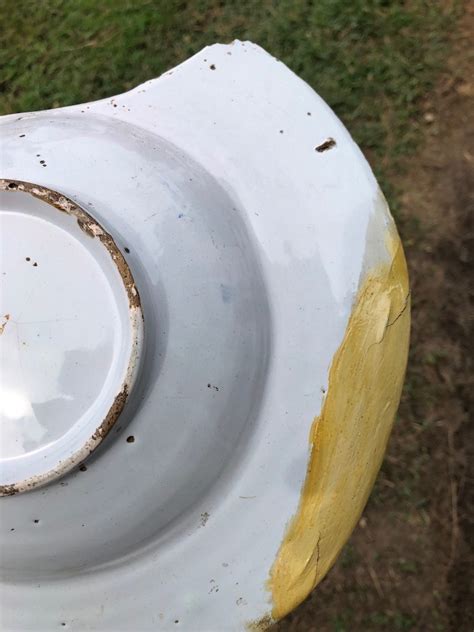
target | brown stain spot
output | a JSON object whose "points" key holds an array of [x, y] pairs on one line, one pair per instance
{"points": [[114, 412], [261, 625], [6, 318], [86, 227], [328, 144], [8, 490]]}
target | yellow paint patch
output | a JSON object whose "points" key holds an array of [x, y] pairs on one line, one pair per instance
{"points": [[349, 437]]}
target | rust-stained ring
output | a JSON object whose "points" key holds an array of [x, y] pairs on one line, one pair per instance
{"points": [[92, 228]]}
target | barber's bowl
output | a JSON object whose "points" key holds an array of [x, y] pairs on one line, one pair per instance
{"points": [[204, 328]]}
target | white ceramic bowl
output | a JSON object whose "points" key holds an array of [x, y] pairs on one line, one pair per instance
{"points": [[204, 270]]}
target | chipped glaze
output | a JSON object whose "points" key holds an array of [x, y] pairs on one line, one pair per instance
{"points": [[250, 222], [349, 436]]}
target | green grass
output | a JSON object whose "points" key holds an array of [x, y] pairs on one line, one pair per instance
{"points": [[372, 60], [393, 622]]}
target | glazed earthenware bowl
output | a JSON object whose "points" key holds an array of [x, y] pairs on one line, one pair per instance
{"points": [[205, 314]]}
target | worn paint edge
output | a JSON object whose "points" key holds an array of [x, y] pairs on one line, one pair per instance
{"points": [[261, 625], [91, 227]]}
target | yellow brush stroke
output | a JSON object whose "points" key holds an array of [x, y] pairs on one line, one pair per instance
{"points": [[349, 437]]}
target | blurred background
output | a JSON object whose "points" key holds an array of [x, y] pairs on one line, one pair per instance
{"points": [[400, 74]]}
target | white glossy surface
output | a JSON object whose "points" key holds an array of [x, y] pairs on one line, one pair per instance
{"points": [[247, 247]]}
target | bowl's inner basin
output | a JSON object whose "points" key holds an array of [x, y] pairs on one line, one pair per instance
{"points": [[194, 405]]}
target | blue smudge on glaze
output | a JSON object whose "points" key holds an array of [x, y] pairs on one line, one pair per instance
{"points": [[226, 293]]}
